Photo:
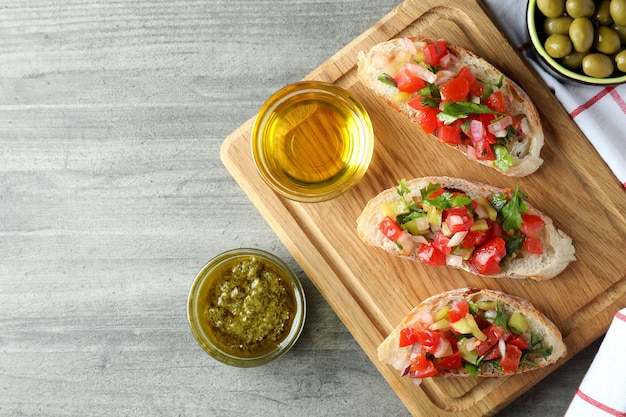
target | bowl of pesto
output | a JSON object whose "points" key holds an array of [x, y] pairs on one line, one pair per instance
{"points": [[246, 307]]}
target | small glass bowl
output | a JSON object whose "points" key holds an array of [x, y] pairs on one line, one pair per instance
{"points": [[534, 23], [312, 141], [203, 288]]}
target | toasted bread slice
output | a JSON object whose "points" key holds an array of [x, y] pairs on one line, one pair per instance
{"points": [[540, 343], [557, 248], [524, 146]]}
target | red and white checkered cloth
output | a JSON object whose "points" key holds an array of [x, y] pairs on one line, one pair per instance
{"points": [[599, 112], [602, 392]]}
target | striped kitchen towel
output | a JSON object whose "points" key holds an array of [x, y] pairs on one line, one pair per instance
{"points": [[602, 392]]}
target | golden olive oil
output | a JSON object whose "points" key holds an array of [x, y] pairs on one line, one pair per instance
{"points": [[312, 141]]}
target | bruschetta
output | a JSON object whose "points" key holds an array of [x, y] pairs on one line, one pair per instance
{"points": [[453, 222], [469, 332], [458, 98]]}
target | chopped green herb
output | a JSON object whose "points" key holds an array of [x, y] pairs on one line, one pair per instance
{"points": [[472, 370], [461, 110], [513, 245], [503, 159], [387, 79], [501, 317], [512, 211], [430, 96], [444, 200], [489, 87], [498, 201]]}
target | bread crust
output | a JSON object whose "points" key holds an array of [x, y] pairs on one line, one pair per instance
{"points": [[558, 250], [391, 353], [525, 153]]}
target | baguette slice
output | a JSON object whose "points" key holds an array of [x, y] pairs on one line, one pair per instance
{"points": [[421, 317], [558, 250], [388, 57]]}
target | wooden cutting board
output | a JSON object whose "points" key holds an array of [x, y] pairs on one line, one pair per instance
{"points": [[372, 291]]}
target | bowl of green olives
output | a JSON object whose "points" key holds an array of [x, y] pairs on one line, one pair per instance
{"points": [[580, 40]]}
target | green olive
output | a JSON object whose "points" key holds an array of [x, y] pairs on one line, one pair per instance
{"points": [[620, 60], [598, 65], [606, 40], [559, 25], [551, 8], [621, 32], [573, 61], [581, 34], [602, 15], [558, 46], [618, 11], [580, 8]]}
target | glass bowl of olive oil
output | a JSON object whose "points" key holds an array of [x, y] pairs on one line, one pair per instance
{"points": [[246, 307], [312, 141]]}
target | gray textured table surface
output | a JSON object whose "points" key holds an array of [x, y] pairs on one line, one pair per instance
{"points": [[113, 196]]}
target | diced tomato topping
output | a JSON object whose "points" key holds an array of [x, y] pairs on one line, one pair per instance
{"points": [[456, 89], [451, 362], [495, 102], [510, 361], [441, 243], [434, 52], [431, 256], [408, 82], [495, 229], [450, 134], [429, 340], [436, 193], [476, 87], [486, 120], [473, 239], [427, 119], [482, 322], [390, 229], [422, 367], [494, 333], [458, 219], [518, 340], [408, 336], [531, 224], [416, 103], [458, 311], [533, 245], [493, 353], [486, 259], [483, 150]]}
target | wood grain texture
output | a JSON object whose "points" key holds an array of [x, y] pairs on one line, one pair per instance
{"points": [[113, 196], [372, 297]]}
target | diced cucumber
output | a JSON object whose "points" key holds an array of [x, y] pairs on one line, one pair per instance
{"points": [[486, 305], [440, 324], [394, 208], [462, 326], [434, 217], [442, 313], [476, 332], [470, 356], [464, 253], [479, 225], [485, 204], [518, 323], [416, 226]]}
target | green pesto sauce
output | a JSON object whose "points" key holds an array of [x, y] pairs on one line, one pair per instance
{"points": [[250, 308]]}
